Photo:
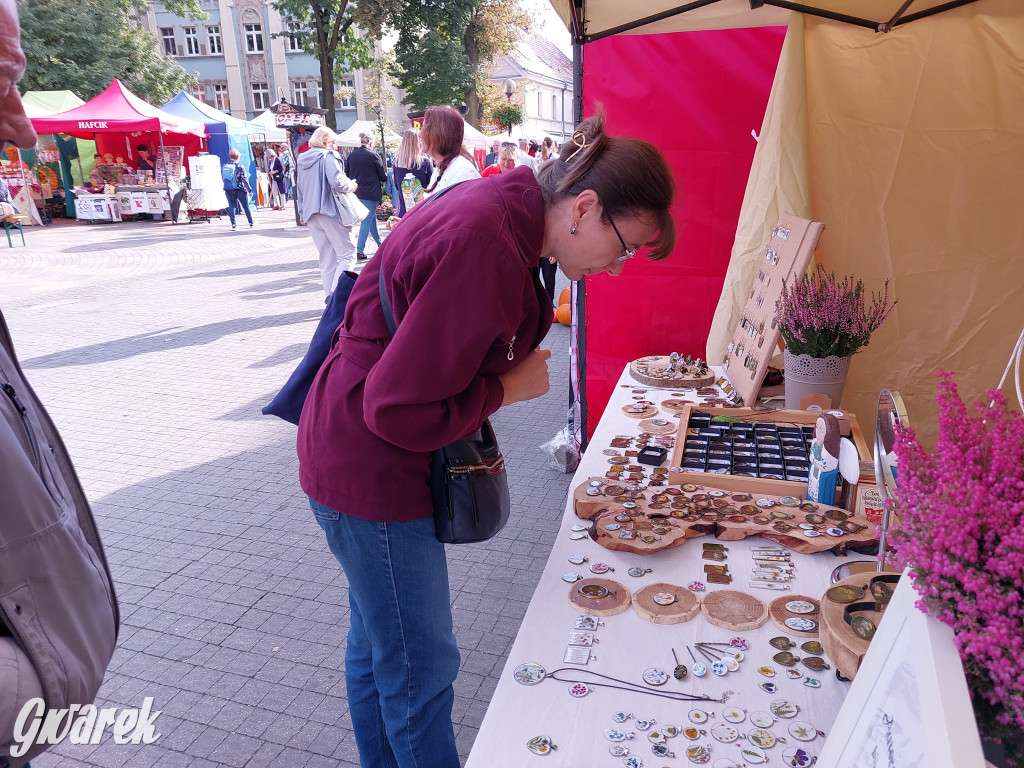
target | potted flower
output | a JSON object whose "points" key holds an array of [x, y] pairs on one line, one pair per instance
{"points": [[824, 322], [506, 115], [385, 211], [961, 531]]}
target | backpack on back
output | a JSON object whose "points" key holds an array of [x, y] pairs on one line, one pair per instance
{"points": [[228, 172]]}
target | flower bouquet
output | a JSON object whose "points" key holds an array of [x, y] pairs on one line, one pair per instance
{"points": [[385, 211], [824, 322], [962, 534]]}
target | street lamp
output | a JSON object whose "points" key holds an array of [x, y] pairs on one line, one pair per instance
{"points": [[510, 88]]}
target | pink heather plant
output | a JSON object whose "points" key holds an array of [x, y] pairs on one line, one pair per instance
{"points": [[820, 317], [962, 533]]}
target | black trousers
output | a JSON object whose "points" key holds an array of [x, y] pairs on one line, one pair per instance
{"points": [[547, 272]]}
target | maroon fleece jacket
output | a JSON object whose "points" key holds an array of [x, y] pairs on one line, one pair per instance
{"points": [[461, 275]]}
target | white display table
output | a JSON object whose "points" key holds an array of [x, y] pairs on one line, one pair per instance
{"points": [[627, 645]]}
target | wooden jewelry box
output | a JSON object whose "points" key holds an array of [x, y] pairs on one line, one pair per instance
{"points": [[760, 452]]}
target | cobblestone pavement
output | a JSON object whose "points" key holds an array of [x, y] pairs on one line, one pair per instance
{"points": [[154, 346]]}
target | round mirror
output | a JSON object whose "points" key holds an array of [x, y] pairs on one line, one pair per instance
{"points": [[892, 413]]}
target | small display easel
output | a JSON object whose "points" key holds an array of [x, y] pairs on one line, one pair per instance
{"points": [[753, 342]]}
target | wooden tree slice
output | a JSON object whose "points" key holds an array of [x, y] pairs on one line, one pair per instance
{"points": [[778, 612], [735, 611], [616, 602], [675, 406], [646, 413], [842, 645], [651, 371], [652, 427], [685, 607]]}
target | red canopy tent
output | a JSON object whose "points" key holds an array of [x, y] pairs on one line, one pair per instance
{"points": [[117, 111]]}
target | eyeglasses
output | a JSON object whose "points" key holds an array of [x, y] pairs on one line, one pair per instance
{"points": [[627, 253], [508, 145]]}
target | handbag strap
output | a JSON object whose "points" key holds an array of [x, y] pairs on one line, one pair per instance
{"points": [[385, 304]]}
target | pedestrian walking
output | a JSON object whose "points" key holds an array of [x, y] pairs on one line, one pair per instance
{"points": [[321, 174], [460, 275], [412, 169], [278, 188], [236, 188], [367, 170]]}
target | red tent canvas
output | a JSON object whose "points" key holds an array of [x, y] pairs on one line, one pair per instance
{"points": [[116, 110]]}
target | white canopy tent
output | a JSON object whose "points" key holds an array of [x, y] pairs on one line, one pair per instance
{"points": [[350, 136], [272, 132]]}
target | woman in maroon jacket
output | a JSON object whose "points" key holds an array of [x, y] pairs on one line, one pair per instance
{"points": [[461, 274]]}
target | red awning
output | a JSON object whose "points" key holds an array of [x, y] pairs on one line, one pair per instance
{"points": [[115, 110]]}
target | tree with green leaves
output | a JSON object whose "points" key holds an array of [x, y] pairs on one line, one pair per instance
{"points": [[327, 30], [81, 45], [446, 50]]}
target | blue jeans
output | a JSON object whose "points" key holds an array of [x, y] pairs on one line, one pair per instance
{"points": [[401, 658], [237, 198], [369, 225]]}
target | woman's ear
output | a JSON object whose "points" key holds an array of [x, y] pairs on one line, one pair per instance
{"points": [[585, 202]]}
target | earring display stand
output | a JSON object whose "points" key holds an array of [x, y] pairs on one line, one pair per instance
{"points": [[778, 612], [684, 608], [753, 343], [654, 371], [734, 611], [615, 602], [842, 645]]}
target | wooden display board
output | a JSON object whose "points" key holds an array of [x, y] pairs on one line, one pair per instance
{"points": [[757, 485], [658, 518], [753, 343], [654, 371]]}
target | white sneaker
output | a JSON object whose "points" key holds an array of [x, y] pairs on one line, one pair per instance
{"points": [[233, 227]]}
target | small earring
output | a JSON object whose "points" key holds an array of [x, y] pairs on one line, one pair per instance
{"points": [[572, 229]]}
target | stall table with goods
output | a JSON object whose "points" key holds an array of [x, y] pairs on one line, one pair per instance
{"points": [[682, 612]]}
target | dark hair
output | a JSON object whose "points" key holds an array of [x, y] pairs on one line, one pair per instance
{"points": [[631, 178], [141, 148], [442, 133]]}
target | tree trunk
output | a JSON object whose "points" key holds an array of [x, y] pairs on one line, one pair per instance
{"points": [[320, 21], [474, 110]]}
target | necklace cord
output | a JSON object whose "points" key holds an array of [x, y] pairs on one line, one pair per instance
{"points": [[635, 687]]}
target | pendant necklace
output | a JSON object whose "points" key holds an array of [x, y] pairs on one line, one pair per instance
{"points": [[531, 674]]}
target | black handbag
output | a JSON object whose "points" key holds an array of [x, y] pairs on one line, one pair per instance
{"points": [[468, 481]]}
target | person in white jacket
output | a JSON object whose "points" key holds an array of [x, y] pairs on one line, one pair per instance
{"points": [[321, 173]]}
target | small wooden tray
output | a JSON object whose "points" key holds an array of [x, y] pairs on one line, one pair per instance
{"points": [[734, 611], [646, 413], [779, 614], [650, 371], [606, 606], [683, 609]]}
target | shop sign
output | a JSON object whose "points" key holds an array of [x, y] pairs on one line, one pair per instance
{"points": [[92, 123], [296, 119]]}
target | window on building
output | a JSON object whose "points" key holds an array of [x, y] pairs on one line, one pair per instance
{"points": [[213, 39], [254, 38], [170, 44], [319, 92], [294, 32], [199, 92], [260, 96], [191, 40], [554, 106], [298, 93], [220, 97], [347, 81]]}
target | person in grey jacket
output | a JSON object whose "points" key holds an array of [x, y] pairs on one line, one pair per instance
{"points": [[58, 611], [320, 173]]}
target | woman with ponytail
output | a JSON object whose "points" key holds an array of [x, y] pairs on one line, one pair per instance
{"points": [[460, 274], [442, 140]]}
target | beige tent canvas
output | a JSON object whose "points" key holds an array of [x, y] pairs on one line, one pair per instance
{"points": [[350, 136], [908, 147]]}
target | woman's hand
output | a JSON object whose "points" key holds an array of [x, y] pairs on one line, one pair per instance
{"points": [[527, 380]]}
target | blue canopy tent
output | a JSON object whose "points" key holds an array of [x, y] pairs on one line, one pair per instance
{"points": [[225, 132]]}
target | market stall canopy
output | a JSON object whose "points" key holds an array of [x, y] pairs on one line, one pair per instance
{"points": [[116, 110], [44, 103], [270, 129], [350, 136], [187, 106], [602, 18], [473, 139]]}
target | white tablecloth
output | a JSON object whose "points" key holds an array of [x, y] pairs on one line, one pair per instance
{"points": [[628, 645]]}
